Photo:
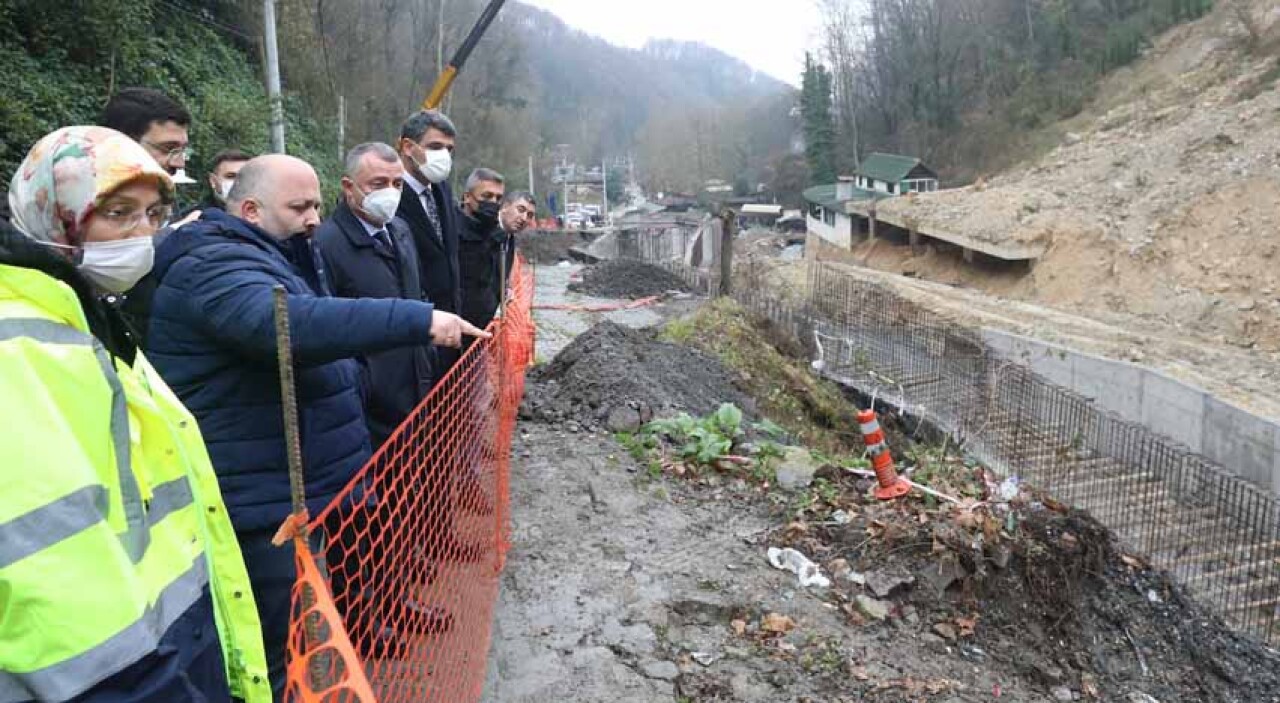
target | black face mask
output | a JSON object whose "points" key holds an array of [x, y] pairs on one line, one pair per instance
{"points": [[487, 213]]}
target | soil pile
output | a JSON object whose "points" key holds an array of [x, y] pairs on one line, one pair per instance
{"points": [[617, 377], [1024, 587], [549, 247], [627, 279]]}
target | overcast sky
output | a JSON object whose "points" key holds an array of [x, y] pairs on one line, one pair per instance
{"points": [[771, 36]]}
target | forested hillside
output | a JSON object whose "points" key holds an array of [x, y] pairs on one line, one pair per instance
{"points": [[61, 60], [685, 112], [971, 85]]}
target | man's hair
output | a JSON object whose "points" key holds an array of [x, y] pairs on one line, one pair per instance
{"points": [[423, 120], [516, 196], [132, 111], [358, 152], [229, 155], [253, 180], [484, 175]]}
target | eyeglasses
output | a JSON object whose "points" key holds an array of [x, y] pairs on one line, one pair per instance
{"points": [[127, 218], [170, 153]]}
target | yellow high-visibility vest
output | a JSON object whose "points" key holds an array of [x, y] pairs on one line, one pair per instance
{"points": [[111, 520]]}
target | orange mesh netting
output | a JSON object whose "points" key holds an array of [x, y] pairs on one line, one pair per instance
{"points": [[398, 577]]}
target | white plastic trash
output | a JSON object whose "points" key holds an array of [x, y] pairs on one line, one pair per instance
{"points": [[791, 560]]}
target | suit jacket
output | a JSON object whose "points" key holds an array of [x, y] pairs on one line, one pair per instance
{"points": [[438, 260], [396, 380]]}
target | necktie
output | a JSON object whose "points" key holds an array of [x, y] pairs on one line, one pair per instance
{"points": [[429, 204], [384, 241]]}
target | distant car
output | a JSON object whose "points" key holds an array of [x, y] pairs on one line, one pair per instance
{"points": [[592, 210]]}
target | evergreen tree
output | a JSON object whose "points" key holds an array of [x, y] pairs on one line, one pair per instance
{"points": [[819, 126]]}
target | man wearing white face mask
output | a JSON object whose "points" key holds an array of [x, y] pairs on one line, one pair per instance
{"points": [[428, 206], [368, 253]]}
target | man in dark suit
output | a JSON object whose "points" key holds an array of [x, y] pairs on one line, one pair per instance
{"points": [[426, 147], [368, 253]]}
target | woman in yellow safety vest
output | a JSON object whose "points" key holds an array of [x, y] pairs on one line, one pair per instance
{"points": [[120, 576]]}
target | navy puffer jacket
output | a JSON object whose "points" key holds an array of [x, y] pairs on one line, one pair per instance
{"points": [[212, 337]]}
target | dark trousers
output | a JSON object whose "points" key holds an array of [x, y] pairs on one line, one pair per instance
{"points": [[273, 573], [186, 667]]}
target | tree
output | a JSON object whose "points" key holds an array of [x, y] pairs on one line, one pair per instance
{"points": [[819, 128]]}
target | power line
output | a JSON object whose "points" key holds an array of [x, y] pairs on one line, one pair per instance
{"points": [[203, 18]]}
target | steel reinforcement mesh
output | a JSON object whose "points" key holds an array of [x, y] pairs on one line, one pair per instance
{"points": [[399, 576], [1216, 534]]}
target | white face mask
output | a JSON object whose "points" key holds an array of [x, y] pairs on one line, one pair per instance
{"points": [[381, 205], [224, 187], [118, 265], [438, 165]]}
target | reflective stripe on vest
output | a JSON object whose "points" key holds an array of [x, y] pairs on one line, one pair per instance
{"points": [[136, 536], [169, 498], [49, 524], [73, 676]]}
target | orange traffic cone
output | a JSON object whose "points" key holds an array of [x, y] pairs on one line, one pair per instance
{"points": [[891, 485]]}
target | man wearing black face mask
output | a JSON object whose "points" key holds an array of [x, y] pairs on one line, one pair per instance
{"points": [[481, 230]]}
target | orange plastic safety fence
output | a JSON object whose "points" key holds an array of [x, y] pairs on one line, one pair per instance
{"points": [[411, 551]]}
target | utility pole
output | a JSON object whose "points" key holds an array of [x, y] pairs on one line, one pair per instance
{"points": [[728, 231], [532, 192], [604, 171], [440, 39], [273, 76], [342, 127]]}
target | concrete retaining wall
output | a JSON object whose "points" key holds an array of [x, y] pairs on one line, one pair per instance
{"points": [[1241, 442]]}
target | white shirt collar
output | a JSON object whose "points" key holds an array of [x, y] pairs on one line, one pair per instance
{"points": [[371, 229], [418, 186]]}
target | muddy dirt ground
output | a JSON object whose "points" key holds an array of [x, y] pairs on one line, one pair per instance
{"points": [[627, 583]]}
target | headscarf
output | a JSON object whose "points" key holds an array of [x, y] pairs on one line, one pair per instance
{"points": [[68, 173]]}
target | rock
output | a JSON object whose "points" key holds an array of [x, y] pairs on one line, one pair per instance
{"points": [[999, 554], [624, 419], [910, 615], [946, 631], [705, 658], [872, 608], [884, 585], [1073, 138], [636, 639], [662, 671], [1062, 693], [948, 572], [777, 623], [1049, 674], [797, 469], [1247, 306], [1140, 697]]}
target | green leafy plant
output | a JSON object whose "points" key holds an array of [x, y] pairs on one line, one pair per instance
{"points": [[701, 441]]}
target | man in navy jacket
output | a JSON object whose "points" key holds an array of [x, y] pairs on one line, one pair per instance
{"points": [[212, 337]]}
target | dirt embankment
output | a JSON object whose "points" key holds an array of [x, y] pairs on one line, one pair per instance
{"points": [[1162, 199]]}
